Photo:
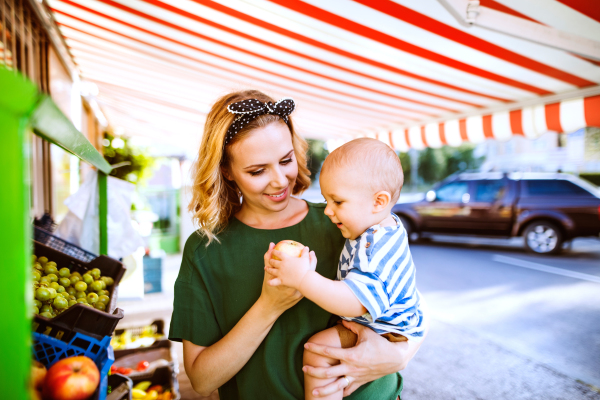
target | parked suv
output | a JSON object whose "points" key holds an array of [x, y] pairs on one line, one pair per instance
{"points": [[545, 208]]}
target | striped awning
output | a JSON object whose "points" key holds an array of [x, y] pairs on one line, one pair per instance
{"points": [[409, 72], [530, 122]]}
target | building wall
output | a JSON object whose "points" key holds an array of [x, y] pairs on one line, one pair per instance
{"points": [[574, 152]]}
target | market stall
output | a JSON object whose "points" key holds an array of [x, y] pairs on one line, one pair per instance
{"points": [[59, 325], [72, 292]]}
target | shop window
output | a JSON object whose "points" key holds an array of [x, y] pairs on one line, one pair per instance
{"points": [[66, 172], [6, 55]]}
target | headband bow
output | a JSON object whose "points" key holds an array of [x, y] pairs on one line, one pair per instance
{"points": [[248, 110]]}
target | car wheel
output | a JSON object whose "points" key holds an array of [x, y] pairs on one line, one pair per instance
{"points": [[410, 233], [543, 237]]}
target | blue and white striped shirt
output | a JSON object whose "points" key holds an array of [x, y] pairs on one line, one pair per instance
{"points": [[378, 267]]}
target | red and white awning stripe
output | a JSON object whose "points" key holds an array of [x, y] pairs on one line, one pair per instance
{"points": [[531, 122], [354, 67]]}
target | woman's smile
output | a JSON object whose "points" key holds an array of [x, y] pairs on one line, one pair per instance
{"points": [[279, 196]]}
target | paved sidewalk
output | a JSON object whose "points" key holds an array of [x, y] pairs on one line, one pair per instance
{"points": [[457, 364]]}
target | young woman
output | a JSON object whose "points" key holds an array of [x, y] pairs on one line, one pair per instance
{"points": [[239, 334]]}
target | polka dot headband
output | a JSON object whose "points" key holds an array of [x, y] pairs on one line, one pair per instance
{"points": [[248, 110]]}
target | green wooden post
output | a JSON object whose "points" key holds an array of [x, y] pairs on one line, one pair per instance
{"points": [[17, 100], [103, 211]]}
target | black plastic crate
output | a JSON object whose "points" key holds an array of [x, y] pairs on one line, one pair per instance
{"points": [[158, 345], [45, 222], [165, 376], [81, 318], [160, 350], [120, 387], [43, 236], [152, 275]]}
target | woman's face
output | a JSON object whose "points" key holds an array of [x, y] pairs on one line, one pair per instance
{"points": [[264, 167]]}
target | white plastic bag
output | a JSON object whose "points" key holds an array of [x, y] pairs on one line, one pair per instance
{"points": [[80, 225]]}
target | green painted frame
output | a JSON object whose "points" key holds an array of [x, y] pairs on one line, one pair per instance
{"points": [[22, 110], [17, 101], [51, 124]]}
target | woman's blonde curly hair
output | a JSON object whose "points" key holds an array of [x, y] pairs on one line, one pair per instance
{"points": [[215, 199]]}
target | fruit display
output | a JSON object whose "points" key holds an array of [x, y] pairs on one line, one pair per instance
{"points": [[56, 288], [72, 378], [38, 375], [130, 340], [289, 247], [145, 390], [143, 367]]}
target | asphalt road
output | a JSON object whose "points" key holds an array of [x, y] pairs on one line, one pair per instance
{"points": [[507, 324]]}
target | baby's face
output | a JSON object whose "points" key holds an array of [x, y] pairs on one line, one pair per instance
{"points": [[350, 201]]}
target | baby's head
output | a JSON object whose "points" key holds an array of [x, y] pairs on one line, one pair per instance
{"points": [[361, 182]]}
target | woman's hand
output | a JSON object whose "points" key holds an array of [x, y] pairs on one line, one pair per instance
{"points": [[372, 358], [277, 298], [290, 271]]}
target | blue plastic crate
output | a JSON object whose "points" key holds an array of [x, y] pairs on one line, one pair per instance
{"points": [[49, 350]]}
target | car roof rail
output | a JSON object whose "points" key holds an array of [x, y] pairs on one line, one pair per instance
{"points": [[457, 174], [465, 173]]}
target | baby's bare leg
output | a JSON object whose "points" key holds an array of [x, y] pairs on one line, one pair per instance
{"points": [[328, 337]]}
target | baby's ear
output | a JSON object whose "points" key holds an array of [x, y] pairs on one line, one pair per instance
{"points": [[381, 200]]}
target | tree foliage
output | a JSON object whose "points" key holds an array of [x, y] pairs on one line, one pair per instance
{"points": [[406, 167], [437, 164], [135, 163], [316, 155]]}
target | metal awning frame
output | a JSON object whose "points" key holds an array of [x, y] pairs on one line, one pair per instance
{"points": [[470, 13]]}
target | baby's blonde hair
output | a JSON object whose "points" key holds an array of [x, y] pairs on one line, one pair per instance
{"points": [[215, 199], [378, 165]]}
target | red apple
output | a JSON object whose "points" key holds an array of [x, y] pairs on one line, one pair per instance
{"points": [[38, 373], [73, 378], [289, 247]]}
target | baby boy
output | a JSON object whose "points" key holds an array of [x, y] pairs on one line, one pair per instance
{"points": [[375, 284]]}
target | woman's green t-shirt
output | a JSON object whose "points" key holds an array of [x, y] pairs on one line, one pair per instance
{"points": [[218, 284]]}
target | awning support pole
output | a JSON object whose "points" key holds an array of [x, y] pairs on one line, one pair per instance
{"points": [[103, 211]]}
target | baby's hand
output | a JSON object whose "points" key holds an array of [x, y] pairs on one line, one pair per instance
{"points": [[290, 271]]}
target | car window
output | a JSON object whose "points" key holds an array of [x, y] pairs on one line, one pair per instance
{"points": [[489, 191], [452, 192], [550, 187]]}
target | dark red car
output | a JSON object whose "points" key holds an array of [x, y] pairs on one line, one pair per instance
{"points": [[546, 209]]}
